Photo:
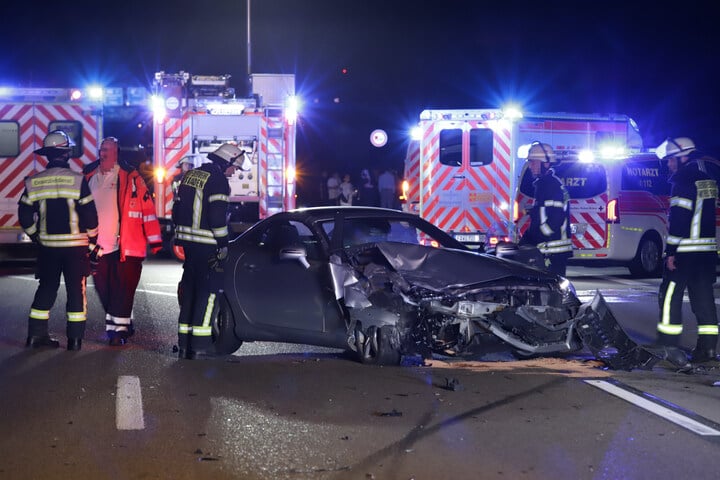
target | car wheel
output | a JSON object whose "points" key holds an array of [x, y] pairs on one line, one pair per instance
{"points": [[375, 346], [648, 259], [223, 329]]}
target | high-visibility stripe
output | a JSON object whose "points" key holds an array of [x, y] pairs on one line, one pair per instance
{"points": [[665, 326], [707, 329], [681, 202], [184, 328], [39, 314]]}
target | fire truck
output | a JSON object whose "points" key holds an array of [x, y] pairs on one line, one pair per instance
{"points": [[26, 116], [195, 114], [463, 169]]}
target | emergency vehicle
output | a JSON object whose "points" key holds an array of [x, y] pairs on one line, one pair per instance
{"points": [[618, 209], [463, 171], [26, 116], [195, 114]]}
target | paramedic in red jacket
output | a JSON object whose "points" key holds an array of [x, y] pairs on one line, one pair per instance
{"points": [[127, 224], [549, 228]]}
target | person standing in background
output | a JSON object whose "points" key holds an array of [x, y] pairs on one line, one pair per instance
{"points": [[386, 187]]}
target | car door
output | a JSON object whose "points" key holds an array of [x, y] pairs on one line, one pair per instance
{"points": [[285, 295]]}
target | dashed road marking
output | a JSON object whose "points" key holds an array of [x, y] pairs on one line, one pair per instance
{"points": [[666, 410], [128, 406]]}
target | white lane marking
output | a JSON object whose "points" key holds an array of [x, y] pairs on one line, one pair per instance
{"points": [[652, 407], [128, 404]]}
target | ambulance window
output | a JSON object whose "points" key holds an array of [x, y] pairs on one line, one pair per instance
{"points": [[74, 130], [646, 175], [451, 147], [481, 146], [9, 138], [582, 180]]}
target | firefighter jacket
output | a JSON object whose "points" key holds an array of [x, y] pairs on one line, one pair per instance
{"points": [[200, 208], [692, 211], [57, 208], [139, 225], [549, 226]]}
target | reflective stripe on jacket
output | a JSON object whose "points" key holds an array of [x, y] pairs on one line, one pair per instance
{"points": [[139, 225], [200, 207], [57, 208], [692, 211], [549, 226]]}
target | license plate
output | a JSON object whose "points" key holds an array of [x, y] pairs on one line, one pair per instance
{"points": [[470, 237]]}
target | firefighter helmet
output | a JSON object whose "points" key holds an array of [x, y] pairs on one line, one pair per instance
{"points": [[542, 152], [55, 143], [675, 147], [226, 154]]}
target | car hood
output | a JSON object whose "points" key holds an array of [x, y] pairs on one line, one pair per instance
{"points": [[441, 269]]}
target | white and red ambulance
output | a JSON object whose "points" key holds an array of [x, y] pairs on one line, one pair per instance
{"points": [[463, 171]]}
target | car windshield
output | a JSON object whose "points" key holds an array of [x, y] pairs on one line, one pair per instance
{"points": [[362, 230]]}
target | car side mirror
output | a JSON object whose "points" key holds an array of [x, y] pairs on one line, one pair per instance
{"points": [[296, 252]]}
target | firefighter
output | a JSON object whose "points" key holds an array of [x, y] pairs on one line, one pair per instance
{"points": [[199, 214], [127, 225], [57, 211], [549, 228], [690, 252], [184, 165]]}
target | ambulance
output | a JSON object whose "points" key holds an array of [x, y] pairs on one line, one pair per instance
{"points": [[618, 209], [26, 116], [195, 114], [462, 171]]}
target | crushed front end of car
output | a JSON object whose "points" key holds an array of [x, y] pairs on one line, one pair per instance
{"points": [[445, 301]]}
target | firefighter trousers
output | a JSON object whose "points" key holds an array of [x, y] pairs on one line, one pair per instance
{"points": [[73, 265], [696, 272], [198, 294], [116, 283]]}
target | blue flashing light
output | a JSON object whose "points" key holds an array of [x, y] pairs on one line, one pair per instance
{"points": [[416, 133]]}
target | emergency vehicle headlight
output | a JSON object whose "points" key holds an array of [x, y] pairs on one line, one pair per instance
{"points": [[612, 151], [159, 174], [289, 175], [75, 95], [585, 156]]}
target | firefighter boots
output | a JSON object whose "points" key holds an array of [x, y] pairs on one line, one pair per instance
{"points": [[703, 355], [38, 341], [74, 344]]}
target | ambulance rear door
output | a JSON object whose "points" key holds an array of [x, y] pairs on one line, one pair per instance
{"points": [[465, 189]]}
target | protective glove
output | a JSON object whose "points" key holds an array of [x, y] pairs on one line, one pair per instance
{"points": [[216, 262], [96, 252]]}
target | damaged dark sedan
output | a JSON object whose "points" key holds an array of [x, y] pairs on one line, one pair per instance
{"points": [[384, 284]]}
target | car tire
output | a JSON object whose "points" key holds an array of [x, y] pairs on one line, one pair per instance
{"points": [[375, 346], [648, 260], [225, 340]]}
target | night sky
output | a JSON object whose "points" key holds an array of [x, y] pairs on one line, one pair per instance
{"points": [[654, 61]]}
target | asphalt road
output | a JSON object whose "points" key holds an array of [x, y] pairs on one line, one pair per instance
{"points": [[298, 412]]}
